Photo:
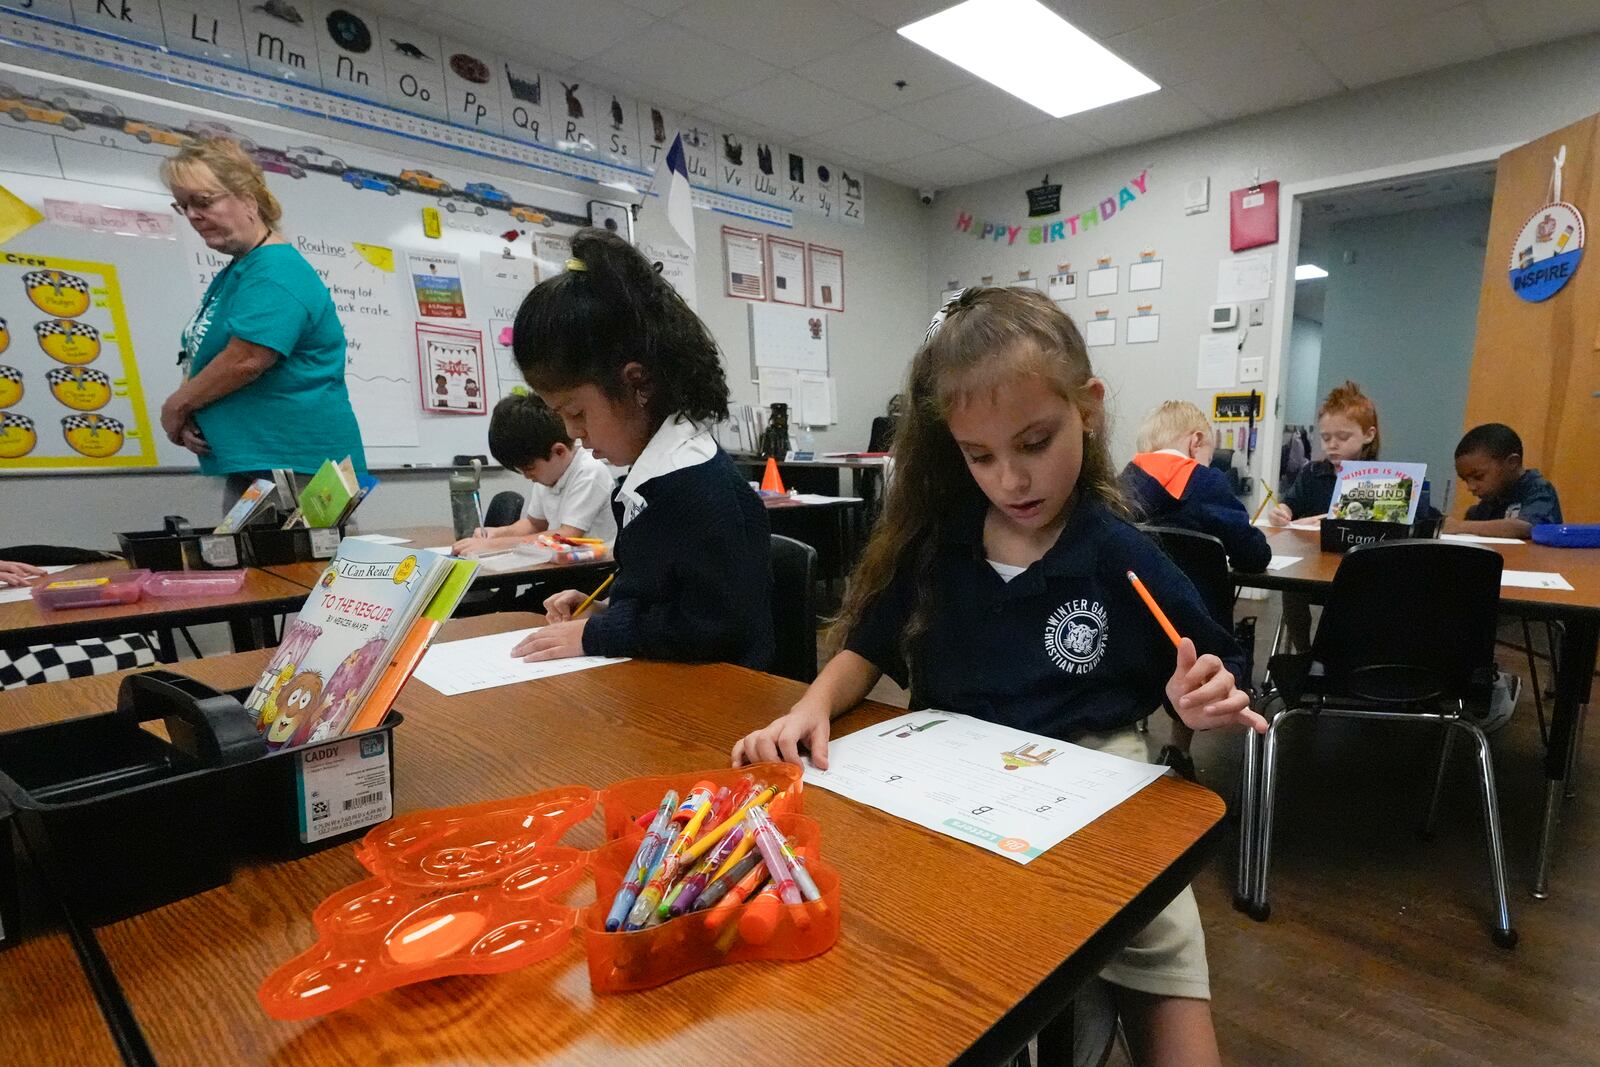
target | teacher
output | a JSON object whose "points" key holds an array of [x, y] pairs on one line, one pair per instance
{"points": [[264, 353]]}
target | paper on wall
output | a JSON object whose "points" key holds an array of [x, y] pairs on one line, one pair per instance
{"points": [[1144, 275], [1102, 281], [1143, 329], [1244, 278], [779, 385], [1099, 333], [1219, 363], [818, 399]]}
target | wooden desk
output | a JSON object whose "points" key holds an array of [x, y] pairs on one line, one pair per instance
{"points": [[48, 1013], [947, 953], [261, 597], [1577, 609]]}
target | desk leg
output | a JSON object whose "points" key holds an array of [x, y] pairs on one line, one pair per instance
{"points": [[1575, 670], [250, 634]]}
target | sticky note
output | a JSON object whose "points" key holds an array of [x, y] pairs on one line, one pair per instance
{"points": [[377, 255]]}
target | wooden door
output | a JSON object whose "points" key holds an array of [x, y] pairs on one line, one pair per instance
{"points": [[1536, 367]]}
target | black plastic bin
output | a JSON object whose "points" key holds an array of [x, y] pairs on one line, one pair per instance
{"points": [[117, 821], [274, 548], [1341, 535], [188, 550]]}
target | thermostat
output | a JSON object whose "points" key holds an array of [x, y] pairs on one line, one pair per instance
{"points": [[1224, 316]]}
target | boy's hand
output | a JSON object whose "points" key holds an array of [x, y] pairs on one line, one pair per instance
{"points": [[1280, 515], [469, 545], [559, 608], [781, 740], [18, 573], [557, 641], [1202, 692]]}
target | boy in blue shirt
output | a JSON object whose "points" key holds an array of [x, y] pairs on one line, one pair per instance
{"points": [[1512, 499]]}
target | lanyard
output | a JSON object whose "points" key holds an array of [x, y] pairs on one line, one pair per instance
{"points": [[216, 287]]}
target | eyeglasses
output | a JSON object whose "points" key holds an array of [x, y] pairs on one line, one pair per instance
{"points": [[200, 202]]}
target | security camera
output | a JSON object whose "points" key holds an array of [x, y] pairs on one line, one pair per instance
{"points": [[927, 195]]}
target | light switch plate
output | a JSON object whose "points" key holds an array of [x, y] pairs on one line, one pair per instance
{"points": [[1258, 312], [1253, 368]]}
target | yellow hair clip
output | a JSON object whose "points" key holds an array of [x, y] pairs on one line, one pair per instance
{"points": [[576, 264]]}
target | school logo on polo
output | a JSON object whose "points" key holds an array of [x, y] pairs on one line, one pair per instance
{"points": [[1075, 635]]}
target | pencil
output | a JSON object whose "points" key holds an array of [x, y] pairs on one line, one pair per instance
{"points": [[1264, 502], [1155, 609], [595, 595]]}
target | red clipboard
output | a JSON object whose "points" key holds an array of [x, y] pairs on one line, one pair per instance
{"points": [[1253, 216]]}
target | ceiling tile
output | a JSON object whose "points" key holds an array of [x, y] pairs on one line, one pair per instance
{"points": [[1319, 20], [697, 68], [578, 30], [662, 8], [971, 112], [787, 33], [791, 103], [1409, 47], [956, 165], [1104, 18], [881, 139], [1277, 81], [1535, 21], [897, 13], [1231, 36], [868, 69], [1044, 144], [1144, 118]]}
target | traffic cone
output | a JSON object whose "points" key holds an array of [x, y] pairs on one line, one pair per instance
{"points": [[770, 482]]}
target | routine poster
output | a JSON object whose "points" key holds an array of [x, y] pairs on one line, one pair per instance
{"points": [[1014, 793], [69, 382]]}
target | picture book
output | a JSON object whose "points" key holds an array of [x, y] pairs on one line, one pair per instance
{"points": [[351, 626], [251, 504], [328, 494], [1378, 492]]}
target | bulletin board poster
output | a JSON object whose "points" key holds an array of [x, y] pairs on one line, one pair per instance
{"points": [[69, 381], [450, 363], [827, 277], [437, 281], [743, 265], [786, 264]]}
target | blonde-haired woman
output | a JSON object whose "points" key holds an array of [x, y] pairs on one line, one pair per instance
{"points": [[264, 353]]}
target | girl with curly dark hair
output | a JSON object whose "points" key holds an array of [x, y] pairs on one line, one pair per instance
{"points": [[612, 348]]}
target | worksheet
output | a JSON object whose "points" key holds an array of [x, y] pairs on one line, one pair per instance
{"points": [[457, 667], [1014, 793]]}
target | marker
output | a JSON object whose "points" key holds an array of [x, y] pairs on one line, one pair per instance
{"points": [[769, 844], [1155, 609], [690, 888], [726, 880], [698, 804], [802, 877], [653, 845], [702, 846]]}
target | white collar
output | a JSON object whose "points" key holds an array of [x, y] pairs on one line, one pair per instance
{"points": [[560, 487], [1172, 452], [676, 444]]}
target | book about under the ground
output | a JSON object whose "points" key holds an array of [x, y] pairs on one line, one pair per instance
{"points": [[1378, 492], [353, 624]]}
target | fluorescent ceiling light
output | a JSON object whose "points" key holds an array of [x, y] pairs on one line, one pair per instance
{"points": [[1032, 53], [1309, 272]]}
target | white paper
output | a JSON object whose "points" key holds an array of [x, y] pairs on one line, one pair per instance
{"points": [[816, 400], [1479, 539], [1244, 278], [827, 278], [24, 592], [790, 337], [818, 498], [1144, 275], [457, 667], [1024, 283], [343, 786], [380, 539], [1064, 286], [508, 272], [788, 262], [948, 772], [779, 385], [1218, 364], [1278, 563], [1534, 580], [743, 271], [1098, 333], [1102, 281], [1143, 329], [677, 267]]}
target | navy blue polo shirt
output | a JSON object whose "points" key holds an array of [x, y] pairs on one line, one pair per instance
{"points": [[1530, 498], [1066, 647]]}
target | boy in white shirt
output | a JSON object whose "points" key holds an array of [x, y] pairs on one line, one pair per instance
{"points": [[570, 492]]}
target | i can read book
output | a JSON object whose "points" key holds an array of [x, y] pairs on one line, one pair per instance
{"points": [[1374, 491], [346, 633]]}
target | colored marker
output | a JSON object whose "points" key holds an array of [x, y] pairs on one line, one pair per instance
{"points": [[720, 885], [655, 839], [736, 895], [1155, 609], [672, 860], [707, 840], [644, 905], [802, 877], [690, 888], [770, 844]]}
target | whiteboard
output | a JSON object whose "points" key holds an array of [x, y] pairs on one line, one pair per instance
{"points": [[788, 337], [358, 230]]}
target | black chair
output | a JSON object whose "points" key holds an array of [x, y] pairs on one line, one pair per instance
{"points": [[881, 437], [1204, 562], [1407, 635], [504, 509], [794, 609]]}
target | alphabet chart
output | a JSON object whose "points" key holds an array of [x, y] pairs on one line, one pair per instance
{"points": [[1014, 793]]}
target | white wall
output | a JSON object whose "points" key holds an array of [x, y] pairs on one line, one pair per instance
{"points": [[1502, 100], [870, 343]]}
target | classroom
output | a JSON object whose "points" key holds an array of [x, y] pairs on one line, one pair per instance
{"points": [[1015, 532]]}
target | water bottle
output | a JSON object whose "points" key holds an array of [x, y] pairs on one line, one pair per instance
{"points": [[466, 505], [808, 444]]}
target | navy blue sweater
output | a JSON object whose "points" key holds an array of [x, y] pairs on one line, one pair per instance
{"points": [[1205, 504], [694, 573]]}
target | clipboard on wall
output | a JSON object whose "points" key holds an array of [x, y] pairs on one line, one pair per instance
{"points": [[1253, 216]]}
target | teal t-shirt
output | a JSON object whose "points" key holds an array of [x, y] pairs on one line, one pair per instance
{"points": [[298, 412]]}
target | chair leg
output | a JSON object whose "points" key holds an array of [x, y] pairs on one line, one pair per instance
{"points": [[1438, 782], [1504, 935], [1247, 820], [1533, 679], [1576, 759], [1259, 908]]}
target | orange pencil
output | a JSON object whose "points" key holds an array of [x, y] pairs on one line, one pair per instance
{"points": [[1155, 609]]}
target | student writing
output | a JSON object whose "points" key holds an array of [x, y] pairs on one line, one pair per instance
{"points": [[995, 584], [570, 490], [1348, 424], [612, 348], [1512, 499]]}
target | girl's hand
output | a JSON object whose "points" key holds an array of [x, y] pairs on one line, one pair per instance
{"points": [[18, 573], [1202, 692], [558, 641], [559, 608], [469, 545], [1280, 515], [782, 739]]}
